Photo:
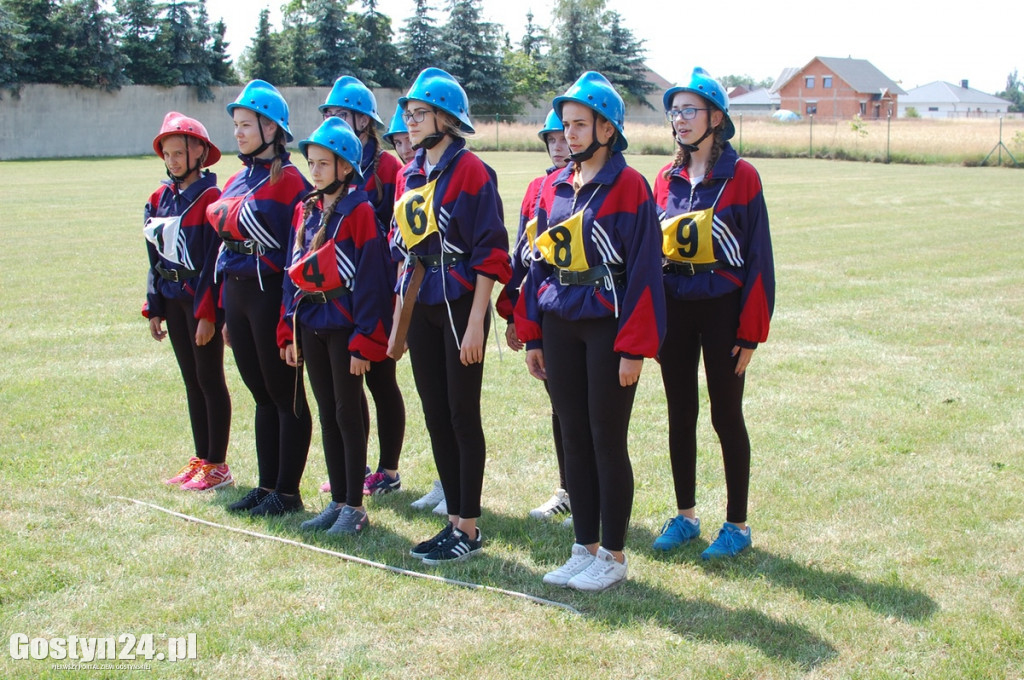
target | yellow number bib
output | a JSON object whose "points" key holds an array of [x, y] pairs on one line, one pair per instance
{"points": [[414, 213], [562, 244], [687, 237]]}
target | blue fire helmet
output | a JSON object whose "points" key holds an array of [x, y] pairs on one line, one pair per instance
{"points": [[263, 98], [337, 136], [397, 127], [703, 85], [350, 93], [595, 92], [439, 89], [551, 124]]}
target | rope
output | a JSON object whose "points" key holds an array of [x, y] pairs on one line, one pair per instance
{"points": [[357, 560]]}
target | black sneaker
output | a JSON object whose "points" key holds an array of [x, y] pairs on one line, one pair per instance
{"points": [[457, 547], [425, 548], [249, 500], [277, 504]]}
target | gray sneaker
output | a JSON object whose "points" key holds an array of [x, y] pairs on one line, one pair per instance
{"points": [[325, 520], [350, 521]]}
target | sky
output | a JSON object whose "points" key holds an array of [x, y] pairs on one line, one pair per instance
{"points": [[912, 42]]}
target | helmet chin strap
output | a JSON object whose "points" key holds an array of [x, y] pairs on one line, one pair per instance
{"points": [[178, 179], [333, 187], [589, 152], [263, 139], [692, 148]]}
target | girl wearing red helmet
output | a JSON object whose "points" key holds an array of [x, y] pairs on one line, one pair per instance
{"points": [[719, 280], [181, 291], [591, 309], [253, 218], [450, 230]]}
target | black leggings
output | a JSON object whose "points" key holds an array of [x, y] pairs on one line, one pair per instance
{"points": [[594, 410], [339, 396], [450, 395], [710, 325], [382, 382], [556, 431], [283, 424], [202, 369]]}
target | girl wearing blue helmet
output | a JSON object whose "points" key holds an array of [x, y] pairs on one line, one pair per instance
{"points": [[720, 288], [591, 309], [449, 228], [338, 298], [253, 218], [351, 101], [553, 137], [398, 137]]}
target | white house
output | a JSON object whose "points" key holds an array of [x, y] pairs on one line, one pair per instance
{"points": [[759, 102], [946, 100]]}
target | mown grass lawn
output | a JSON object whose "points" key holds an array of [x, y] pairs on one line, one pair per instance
{"points": [[886, 417]]}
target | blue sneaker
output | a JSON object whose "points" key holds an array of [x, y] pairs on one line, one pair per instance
{"points": [[675, 532], [729, 543]]}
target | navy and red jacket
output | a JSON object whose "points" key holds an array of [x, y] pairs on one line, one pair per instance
{"points": [[470, 223], [253, 210], [520, 252], [196, 248], [621, 230], [742, 242], [354, 255], [379, 185]]}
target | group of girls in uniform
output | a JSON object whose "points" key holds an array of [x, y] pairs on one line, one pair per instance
{"points": [[382, 256]]}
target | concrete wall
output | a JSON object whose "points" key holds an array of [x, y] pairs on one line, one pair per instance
{"points": [[55, 121]]}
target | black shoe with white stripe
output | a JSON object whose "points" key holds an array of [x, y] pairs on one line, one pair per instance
{"points": [[457, 547]]}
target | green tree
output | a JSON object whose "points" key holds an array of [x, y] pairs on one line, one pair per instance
{"points": [[578, 42], [296, 44], [336, 51], [182, 39], [420, 42], [222, 69], [1013, 93], [469, 51], [11, 56], [381, 62], [625, 67], [40, 61], [137, 32], [89, 50], [745, 80], [261, 60]]}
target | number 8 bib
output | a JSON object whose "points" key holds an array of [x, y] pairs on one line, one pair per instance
{"points": [[414, 213], [562, 245]]}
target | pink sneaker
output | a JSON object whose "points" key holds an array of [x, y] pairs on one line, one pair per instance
{"points": [[186, 473], [210, 477], [325, 487]]}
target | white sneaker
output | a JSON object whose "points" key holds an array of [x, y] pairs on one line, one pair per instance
{"points": [[604, 572], [558, 504], [578, 562], [441, 508], [431, 498], [567, 522]]}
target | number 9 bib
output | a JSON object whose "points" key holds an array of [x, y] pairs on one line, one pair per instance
{"points": [[562, 245], [414, 213], [687, 237]]}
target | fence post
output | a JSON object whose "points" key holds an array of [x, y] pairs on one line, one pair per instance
{"points": [[497, 144], [741, 134], [810, 148], [888, 135]]}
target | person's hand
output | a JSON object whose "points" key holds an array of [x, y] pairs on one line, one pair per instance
{"points": [[156, 328], [204, 332], [743, 357], [358, 366], [511, 339], [535, 364], [629, 371], [472, 344], [291, 355]]}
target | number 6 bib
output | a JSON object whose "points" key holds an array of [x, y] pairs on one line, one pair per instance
{"points": [[414, 213]]}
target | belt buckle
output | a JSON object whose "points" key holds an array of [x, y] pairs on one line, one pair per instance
{"points": [[565, 277], [318, 297], [688, 268], [174, 275]]}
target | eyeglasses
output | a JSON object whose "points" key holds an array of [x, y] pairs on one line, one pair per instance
{"points": [[686, 113], [416, 116], [338, 112]]}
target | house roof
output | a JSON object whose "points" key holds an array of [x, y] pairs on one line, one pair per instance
{"points": [[860, 74], [759, 97], [941, 91]]}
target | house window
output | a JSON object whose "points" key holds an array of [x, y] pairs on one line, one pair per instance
{"points": [[812, 108], [863, 108], [933, 108], [826, 82], [809, 82]]}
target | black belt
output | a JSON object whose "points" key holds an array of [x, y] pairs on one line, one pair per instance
{"points": [[689, 268], [176, 274], [593, 276], [322, 297], [436, 260], [247, 247]]}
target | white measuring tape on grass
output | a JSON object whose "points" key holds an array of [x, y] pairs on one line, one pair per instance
{"points": [[353, 558]]}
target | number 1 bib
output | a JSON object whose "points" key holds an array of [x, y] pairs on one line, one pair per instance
{"points": [[414, 213]]}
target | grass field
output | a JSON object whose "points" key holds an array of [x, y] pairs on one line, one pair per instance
{"points": [[886, 420]]}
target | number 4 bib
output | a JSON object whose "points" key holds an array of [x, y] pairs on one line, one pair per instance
{"points": [[414, 213]]}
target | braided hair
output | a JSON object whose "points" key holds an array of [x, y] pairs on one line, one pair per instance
{"points": [[682, 158]]}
